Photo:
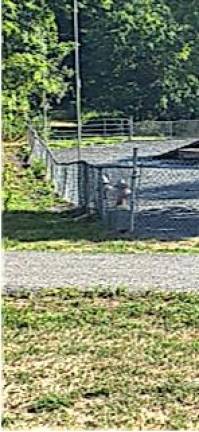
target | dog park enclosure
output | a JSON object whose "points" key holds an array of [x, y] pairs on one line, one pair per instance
{"points": [[163, 185]]}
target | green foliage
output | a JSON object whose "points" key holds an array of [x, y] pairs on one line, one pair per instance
{"points": [[8, 181], [25, 189], [140, 57], [33, 57], [38, 168], [86, 142], [24, 152]]}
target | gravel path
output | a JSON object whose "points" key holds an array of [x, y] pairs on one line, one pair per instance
{"points": [[34, 270]]}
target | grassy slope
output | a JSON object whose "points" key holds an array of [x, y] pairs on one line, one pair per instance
{"points": [[98, 360], [30, 224]]}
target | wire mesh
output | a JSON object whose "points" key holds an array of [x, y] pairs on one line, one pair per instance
{"points": [[168, 202], [166, 192], [185, 128]]}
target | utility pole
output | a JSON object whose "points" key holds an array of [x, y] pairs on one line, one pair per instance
{"points": [[45, 113], [78, 81], [44, 96]]}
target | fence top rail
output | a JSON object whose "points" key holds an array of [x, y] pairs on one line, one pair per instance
{"points": [[89, 128], [90, 125]]}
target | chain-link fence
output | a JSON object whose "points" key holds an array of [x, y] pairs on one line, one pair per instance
{"points": [[152, 199], [168, 202]]}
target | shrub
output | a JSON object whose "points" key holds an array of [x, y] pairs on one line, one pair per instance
{"points": [[38, 169]]}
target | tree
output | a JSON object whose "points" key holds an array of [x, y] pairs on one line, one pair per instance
{"points": [[32, 60], [137, 57], [140, 57]]}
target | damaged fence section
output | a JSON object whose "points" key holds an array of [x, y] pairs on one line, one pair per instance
{"points": [[149, 198]]}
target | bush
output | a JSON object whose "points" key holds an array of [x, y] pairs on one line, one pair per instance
{"points": [[38, 169], [7, 184], [14, 125]]}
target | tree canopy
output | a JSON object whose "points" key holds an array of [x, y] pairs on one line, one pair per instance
{"points": [[137, 58], [33, 58], [141, 58]]}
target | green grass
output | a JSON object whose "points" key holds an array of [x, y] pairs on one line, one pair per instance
{"points": [[101, 359], [98, 140], [30, 224]]}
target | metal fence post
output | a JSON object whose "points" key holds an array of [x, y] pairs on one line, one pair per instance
{"points": [[29, 137], [104, 127], [122, 127], [47, 166], [130, 127], [171, 129], [133, 188], [52, 170], [64, 183], [86, 186], [79, 175], [101, 195]]}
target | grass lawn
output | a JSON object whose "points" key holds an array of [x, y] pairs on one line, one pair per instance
{"points": [[98, 140], [101, 360], [30, 224], [86, 142]]}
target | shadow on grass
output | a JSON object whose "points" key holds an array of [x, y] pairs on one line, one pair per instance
{"points": [[30, 226], [173, 224]]}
